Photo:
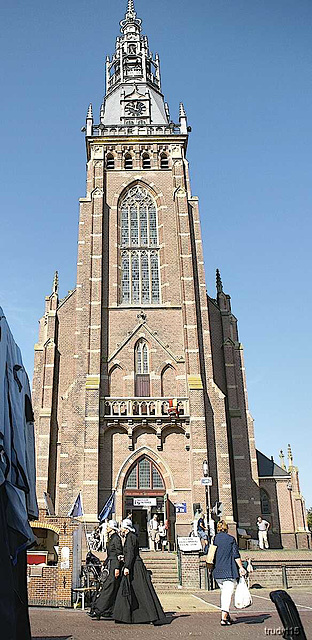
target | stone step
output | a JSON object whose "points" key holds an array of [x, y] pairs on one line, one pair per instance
{"points": [[158, 565], [165, 580], [164, 576]]}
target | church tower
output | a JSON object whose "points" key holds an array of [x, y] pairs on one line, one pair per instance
{"points": [[128, 393]]}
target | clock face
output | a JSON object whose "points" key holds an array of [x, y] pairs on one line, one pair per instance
{"points": [[135, 108]]}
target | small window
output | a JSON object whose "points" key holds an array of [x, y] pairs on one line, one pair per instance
{"points": [[110, 162], [146, 161], [164, 162], [265, 503], [128, 161]]}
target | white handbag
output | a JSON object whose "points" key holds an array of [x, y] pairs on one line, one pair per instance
{"points": [[242, 598]]}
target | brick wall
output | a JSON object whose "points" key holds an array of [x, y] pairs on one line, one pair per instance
{"points": [[272, 576], [53, 587], [190, 570]]}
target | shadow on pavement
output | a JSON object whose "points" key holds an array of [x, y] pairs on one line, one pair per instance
{"points": [[52, 638], [252, 619]]}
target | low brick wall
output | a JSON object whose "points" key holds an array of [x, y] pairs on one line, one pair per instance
{"points": [[51, 585], [190, 569], [268, 575]]}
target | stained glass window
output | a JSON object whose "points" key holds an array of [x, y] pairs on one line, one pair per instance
{"points": [[152, 226], [125, 282], [157, 479], [145, 278], [143, 225], [155, 277], [124, 226], [134, 239], [140, 282], [135, 279], [132, 479], [144, 475]]}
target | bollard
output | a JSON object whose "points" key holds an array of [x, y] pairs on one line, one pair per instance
{"points": [[284, 577]]}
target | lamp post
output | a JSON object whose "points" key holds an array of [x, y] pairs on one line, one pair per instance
{"points": [[207, 494]]}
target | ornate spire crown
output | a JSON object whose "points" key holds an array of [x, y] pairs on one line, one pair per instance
{"points": [[55, 285], [219, 282]]}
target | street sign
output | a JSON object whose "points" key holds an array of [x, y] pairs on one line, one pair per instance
{"points": [[180, 507], [207, 481]]}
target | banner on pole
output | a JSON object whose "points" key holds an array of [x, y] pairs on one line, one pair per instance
{"points": [[109, 507], [76, 509]]}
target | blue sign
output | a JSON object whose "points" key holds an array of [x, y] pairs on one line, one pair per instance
{"points": [[180, 507]]}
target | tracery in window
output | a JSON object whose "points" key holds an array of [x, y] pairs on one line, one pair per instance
{"points": [[144, 475], [140, 282]]}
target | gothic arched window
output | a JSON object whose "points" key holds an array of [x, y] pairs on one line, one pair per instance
{"points": [[140, 283], [144, 475], [142, 378]]}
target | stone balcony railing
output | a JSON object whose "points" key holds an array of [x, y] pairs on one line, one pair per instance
{"points": [[143, 408], [136, 130]]}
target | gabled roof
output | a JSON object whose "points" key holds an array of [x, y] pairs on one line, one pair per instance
{"points": [[267, 467]]}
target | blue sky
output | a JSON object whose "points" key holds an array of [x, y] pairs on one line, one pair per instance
{"points": [[243, 70]]}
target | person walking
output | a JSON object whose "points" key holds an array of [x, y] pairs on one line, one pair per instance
{"points": [[136, 600], [153, 531], [104, 602], [227, 568], [202, 532], [263, 527], [162, 532]]}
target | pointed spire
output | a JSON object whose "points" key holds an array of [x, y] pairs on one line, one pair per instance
{"points": [[282, 459], [182, 110], [89, 120], [182, 118], [290, 458], [55, 285], [131, 8], [219, 282]]}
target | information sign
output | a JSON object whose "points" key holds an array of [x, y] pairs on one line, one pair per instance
{"points": [[144, 502], [191, 543]]}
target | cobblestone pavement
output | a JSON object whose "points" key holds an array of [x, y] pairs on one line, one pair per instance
{"points": [[191, 615]]}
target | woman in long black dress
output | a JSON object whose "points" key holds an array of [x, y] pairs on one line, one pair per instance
{"points": [[136, 600], [104, 602]]}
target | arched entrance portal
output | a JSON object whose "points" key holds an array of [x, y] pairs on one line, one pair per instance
{"points": [[144, 494]]}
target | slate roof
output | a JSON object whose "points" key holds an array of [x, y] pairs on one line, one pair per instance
{"points": [[267, 467]]}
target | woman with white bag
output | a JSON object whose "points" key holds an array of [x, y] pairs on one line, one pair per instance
{"points": [[227, 568]]}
